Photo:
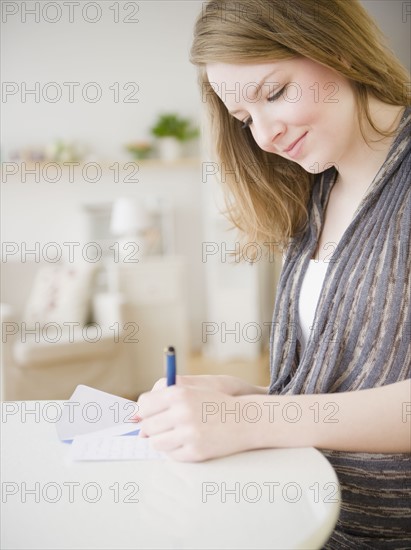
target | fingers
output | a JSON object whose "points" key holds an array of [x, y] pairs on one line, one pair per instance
{"points": [[166, 442], [158, 424], [177, 448], [151, 403], [186, 453], [160, 384]]}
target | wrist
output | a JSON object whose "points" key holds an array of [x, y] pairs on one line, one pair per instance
{"points": [[225, 383], [239, 387], [266, 425]]}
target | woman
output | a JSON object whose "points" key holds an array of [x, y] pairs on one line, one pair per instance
{"points": [[312, 113]]}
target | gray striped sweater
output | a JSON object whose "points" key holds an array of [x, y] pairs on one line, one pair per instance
{"points": [[361, 338]]}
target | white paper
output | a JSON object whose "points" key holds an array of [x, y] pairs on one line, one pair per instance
{"points": [[89, 410], [127, 447]]}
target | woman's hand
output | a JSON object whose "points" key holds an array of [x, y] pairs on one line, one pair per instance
{"points": [[191, 423]]}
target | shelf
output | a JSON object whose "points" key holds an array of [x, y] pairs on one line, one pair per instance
{"points": [[183, 162], [107, 165]]}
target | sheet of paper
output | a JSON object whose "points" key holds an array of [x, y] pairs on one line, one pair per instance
{"points": [[89, 410], [92, 447]]}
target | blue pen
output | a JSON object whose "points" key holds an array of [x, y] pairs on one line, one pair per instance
{"points": [[170, 355]]}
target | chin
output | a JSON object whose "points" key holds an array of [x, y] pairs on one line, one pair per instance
{"points": [[314, 166]]}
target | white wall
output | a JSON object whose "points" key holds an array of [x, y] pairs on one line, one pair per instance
{"points": [[152, 53], [394, 19]]}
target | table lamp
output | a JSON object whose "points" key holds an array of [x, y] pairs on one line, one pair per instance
{"points": [[129, 221]]}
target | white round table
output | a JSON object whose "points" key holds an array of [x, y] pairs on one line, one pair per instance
{"points": [[281, 498]]}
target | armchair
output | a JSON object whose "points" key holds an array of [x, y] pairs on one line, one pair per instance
{"points": [[47, 359]]}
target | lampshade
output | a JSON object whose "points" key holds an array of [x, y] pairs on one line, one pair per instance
{"points": [[128, 217]]}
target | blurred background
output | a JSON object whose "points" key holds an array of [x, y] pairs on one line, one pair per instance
{"points": [[113, 244]]}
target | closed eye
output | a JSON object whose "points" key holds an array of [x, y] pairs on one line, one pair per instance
{"points": [[276, 96], [248, 121]]}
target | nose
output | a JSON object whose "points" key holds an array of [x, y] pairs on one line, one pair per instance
{"points": [[267, 134]]}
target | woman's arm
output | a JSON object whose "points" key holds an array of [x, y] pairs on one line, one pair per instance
{"points": [[224, 383], [375, 420], [194, 424]]}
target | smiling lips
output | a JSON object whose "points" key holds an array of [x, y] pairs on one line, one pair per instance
{"points": [[294, 148]]}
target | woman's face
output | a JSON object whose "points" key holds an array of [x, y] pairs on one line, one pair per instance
{"points": [[297, 108]]}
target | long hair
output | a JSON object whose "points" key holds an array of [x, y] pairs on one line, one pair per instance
{"points": [[266, 195]]}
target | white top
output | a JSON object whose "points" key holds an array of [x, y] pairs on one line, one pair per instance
{"points": [[309, 296]]}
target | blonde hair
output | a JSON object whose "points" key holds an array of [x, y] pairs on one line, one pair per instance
{"points": [[267, 196]]}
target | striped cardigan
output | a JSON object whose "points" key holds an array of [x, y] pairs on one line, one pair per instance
{"points": [[360, 339]]}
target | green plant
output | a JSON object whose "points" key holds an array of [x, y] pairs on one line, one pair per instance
{"points": [[139, 149], [172, 125]]}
